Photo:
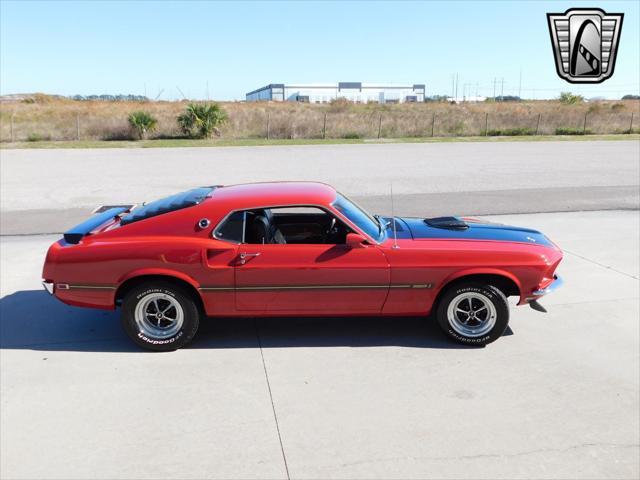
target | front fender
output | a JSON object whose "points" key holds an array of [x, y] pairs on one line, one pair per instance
{"points": [[479, 271]]}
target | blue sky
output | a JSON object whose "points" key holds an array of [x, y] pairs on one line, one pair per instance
{"points": [[124, 47]]}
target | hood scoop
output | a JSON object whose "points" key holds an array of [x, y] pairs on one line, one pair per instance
{"points": [[447, 223]]}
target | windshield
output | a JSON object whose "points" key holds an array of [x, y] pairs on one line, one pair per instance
{"points": [[359, 217]]}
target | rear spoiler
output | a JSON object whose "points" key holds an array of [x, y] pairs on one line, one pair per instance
{"points": [[103, 215]]}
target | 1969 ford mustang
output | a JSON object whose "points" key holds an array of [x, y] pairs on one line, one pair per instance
{"points": [[294, 248]]}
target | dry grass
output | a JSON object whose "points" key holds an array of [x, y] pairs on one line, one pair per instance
{"points": [[47, 118]]}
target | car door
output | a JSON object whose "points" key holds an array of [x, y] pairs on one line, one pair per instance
{"points": [[310, 278], [324, 278]]}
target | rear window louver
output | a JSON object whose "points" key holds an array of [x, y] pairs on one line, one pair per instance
{"points": [[168, 204]]}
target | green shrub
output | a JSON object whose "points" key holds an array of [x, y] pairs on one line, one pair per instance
{"points": [[511, 132], [36, 137], [142, 123], [568, 98], [617, 107], [572, 131], [202, 120], [351, 135]]}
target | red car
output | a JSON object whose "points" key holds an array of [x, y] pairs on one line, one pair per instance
{"points": [[293, 248]]}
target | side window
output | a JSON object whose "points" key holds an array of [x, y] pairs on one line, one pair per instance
{"points": [[283, 225], [231, 228], [306, 225]]}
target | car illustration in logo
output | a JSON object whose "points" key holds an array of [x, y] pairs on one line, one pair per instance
{"points": [[585, 43]]}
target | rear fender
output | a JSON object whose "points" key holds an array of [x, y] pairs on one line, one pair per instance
{"points": [[161, 272]]}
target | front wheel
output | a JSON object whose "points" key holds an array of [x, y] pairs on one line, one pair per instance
{"points": [[473, 313], [160, 316]]}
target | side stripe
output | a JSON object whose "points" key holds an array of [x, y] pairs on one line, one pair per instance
{"points": [[90, 287], [312, 287], [266, 287]]}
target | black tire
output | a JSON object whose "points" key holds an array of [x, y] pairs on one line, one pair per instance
{"points": [[168, 334], [480, 329]]}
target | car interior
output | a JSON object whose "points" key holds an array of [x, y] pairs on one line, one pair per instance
{"points": [[290, 225]]}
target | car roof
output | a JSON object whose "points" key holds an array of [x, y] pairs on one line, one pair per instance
{"points": [[275, 193]]}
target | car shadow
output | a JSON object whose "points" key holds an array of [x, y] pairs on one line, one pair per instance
{"points": [[32, 319]]}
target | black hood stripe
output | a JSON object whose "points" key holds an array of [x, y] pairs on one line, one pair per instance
{"points": [[416, 228]]}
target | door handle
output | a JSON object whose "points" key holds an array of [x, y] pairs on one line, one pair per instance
{"points": [[245, 255]]}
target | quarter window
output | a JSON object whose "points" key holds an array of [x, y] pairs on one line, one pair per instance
{"points": [[232, 228]]}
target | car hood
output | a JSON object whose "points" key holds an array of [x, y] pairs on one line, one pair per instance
{"points": [[419, 229]]}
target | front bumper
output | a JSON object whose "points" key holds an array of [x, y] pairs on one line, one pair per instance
{"points": [[552, 287], [532, 300]]}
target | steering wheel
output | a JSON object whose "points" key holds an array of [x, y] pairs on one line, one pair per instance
{"points": [[332, 230]]}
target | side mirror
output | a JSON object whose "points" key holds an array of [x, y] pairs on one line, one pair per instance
{"points": [[355, 240]]}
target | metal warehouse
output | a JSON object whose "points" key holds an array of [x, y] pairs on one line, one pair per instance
{"points": [[356, 92]]}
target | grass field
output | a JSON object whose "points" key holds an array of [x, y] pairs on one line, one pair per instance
{"points": [[41, 119], [172, 143]]}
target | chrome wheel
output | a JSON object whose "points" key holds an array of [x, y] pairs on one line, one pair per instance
{"points": [[159, 315], [471, 314]]}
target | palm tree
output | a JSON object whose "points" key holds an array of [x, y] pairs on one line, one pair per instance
{"points": [[142, 123], [201, 120]]}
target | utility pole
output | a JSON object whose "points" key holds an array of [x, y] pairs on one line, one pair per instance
{"points": [[494, 89], [476, 91], [520, 85], [456, 97], [452, 86], [502, 91]]}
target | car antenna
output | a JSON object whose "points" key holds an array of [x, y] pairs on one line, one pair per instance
{"points": [[393, 220]]}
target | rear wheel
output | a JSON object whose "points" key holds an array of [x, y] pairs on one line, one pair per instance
{"points": [[473, 313], [160, 316]]}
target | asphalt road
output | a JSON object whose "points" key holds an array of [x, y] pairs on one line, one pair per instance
{"points": [[354, 398], [49, 190]]}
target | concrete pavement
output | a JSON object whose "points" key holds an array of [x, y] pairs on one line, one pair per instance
{"points": [[557, 397]]}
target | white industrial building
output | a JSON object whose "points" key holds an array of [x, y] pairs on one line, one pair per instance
{"points": [[356, 92]]}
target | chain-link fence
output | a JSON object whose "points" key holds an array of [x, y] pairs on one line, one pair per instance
{"points": [[247, 121]]}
